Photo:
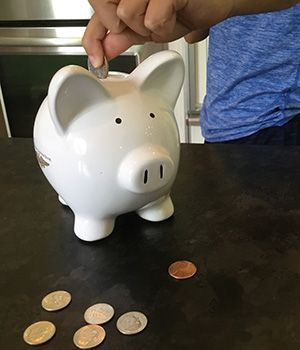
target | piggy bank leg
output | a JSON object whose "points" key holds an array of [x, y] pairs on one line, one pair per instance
{"points": [[90, 229], [157, 211], [62, 200]]}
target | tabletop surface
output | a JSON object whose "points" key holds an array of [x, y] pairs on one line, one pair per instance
{"points": [[237, 217]]}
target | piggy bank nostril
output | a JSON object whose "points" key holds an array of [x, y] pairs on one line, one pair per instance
{"points": [[161, 171], [145, 176]]}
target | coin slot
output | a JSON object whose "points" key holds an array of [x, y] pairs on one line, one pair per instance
{"points": [[161, 170], [145, 176]]}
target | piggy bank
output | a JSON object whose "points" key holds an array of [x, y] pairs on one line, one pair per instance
{"points": [[112, 146]]}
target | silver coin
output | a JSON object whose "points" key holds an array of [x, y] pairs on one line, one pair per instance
{"points": [[89, 336], [132, 322], [99, 313], [39, 332], [101, 72], [56, 300]]}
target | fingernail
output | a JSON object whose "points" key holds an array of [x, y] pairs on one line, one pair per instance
{"points": [[96, 61]]}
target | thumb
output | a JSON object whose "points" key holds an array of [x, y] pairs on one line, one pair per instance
{"points": [[116, 43], [196, 35]]}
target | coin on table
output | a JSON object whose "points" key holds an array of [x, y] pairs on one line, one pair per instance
{"points": [[99, 313], [89, 336], [39, 332], [56, 300], [101, 72], [182, 269], [132, 322]]}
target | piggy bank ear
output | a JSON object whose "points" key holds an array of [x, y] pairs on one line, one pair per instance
{"points": [[162, 75], [72, 90]]}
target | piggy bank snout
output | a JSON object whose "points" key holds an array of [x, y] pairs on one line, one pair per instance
{"points": [[144, 171]]}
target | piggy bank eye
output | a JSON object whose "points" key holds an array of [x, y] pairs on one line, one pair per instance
{"points": [[152, 115], [118, 120]]}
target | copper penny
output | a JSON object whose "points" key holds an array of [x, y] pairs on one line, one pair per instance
{"points": [[182, 269]]}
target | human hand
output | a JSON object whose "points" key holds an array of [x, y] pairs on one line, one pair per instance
{"points": [[118, 24]]}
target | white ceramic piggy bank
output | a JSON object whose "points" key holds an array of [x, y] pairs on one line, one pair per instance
{"points": [[112, 146]]}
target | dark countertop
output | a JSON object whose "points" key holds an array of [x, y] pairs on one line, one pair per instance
{"points": [[237, 217]]}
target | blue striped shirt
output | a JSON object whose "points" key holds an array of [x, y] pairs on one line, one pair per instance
{"points": [[253, 77]]}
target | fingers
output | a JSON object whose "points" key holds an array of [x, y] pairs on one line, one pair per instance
{"points": [[163, 20], [115, 44], [132, 13], [197, 35], [160, 17], [119, 24], [106, 11], [91, 41]]}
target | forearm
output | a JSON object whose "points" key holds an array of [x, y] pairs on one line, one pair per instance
{"points": [[247, 7]]}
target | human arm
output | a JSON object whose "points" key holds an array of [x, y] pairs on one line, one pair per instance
{"points": [[132, 22], [249, 7]]}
